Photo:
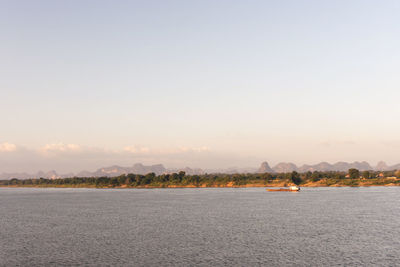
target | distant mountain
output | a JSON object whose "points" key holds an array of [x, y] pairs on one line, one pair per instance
{"points": [[158, 169], [381, 166], [339, 166], [362, 166], [285, 167], [323, 166], [187, 170], [395, 167], [83, 174], [19, 175], [106, 171], [24, 175], [136, 169], [111, 171], [51, 175], [264, 168]]}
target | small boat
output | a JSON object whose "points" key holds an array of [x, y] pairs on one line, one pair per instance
{"points": [[290, 189]]}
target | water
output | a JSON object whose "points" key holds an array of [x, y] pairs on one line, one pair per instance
{"points": [[202, 227]]}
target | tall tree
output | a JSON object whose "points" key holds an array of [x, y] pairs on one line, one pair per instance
{"points": [[354, 173], [295, 178]]}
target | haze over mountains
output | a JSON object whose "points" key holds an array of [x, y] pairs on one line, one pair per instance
{"points": [[325, 166], [111, 171], [158, 169]]}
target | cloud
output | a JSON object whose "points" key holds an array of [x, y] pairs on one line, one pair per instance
{"points": [[67, 157], [68, 150], [194, 149], [7, 147], [54, 149], [165, 151], [136, 149], [60, 148]]}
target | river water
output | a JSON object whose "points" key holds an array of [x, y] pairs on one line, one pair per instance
{"points": [[200, 227]]}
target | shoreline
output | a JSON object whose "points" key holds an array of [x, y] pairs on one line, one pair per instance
{"points": [[192, 186]]}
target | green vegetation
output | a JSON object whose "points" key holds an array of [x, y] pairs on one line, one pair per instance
{"points": [[330, 178], [354, 173], [295, 178]]}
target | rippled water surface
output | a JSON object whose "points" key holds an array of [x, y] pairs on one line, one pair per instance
{"points": [[203, 227]]}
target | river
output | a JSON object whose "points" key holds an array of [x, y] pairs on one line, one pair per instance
{"points": [[199, 227]]}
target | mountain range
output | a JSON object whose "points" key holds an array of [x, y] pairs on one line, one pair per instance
{"points": [[158, 169], [111, 171], [325, 166]]}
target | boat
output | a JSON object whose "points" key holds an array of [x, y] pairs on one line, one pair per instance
{"points": [[290, 189]]}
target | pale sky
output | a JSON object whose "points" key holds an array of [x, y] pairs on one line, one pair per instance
{"points": [[210, 84]]}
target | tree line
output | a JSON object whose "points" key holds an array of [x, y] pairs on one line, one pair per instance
{"points": [[352, 177]]}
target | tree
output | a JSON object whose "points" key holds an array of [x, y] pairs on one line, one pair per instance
{"points": [[366, 174], [266, 177], [131, 178], [13, 181], [174, 177], [114, 181], [315, 176], [397, 173], [295, 178], [148, 178], [122, 179], [181, 175], [165, 178], [196, 180], [354, 173], [339, 175]]}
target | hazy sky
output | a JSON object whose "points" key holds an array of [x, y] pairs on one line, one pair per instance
{"points": [[207, 84]]}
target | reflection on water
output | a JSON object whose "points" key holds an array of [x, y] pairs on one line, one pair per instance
{"points": [[218, 227]]}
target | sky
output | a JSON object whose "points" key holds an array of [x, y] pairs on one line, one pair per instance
{"points": [[210, 84]]}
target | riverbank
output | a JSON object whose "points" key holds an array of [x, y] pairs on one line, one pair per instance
{"points": [[277, 183]]}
